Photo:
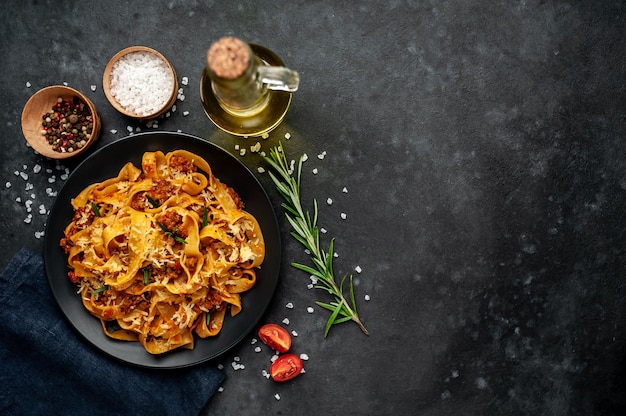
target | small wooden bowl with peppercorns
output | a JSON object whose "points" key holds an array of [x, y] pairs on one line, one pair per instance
{"points": [[60, 122]]}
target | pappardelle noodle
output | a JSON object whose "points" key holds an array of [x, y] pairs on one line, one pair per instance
{"points": [[162, 252]]}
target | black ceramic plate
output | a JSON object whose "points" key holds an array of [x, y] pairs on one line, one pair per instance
{"points": [[106, 163]]}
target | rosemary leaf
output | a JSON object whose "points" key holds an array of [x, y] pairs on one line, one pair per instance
{"points": [[96, 209], [306, 232], [152, 202], [205, 217], [331, 320], [100, 289]]}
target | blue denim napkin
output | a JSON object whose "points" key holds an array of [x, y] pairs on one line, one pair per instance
{"points": [[47, 368]]}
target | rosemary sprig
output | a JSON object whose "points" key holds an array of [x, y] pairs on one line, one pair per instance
{"points": [[305, 231]]}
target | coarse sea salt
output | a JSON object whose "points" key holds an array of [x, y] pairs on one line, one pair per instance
{"points": [[141, 82]]}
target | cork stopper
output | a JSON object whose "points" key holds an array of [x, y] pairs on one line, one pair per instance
{"points": [[228, 57]]}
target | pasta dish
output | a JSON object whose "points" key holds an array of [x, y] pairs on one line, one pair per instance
{"points": [[163, 252]]}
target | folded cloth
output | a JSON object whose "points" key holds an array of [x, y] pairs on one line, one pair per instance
{"points": [[47, 368]]}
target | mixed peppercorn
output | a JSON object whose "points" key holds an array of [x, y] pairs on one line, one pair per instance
{"points": [[68, 126]]}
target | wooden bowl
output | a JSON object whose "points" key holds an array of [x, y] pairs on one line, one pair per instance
{"points": [[171, 89], [40, 104]]}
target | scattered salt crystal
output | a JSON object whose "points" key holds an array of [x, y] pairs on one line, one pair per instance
{"points": [[237, 359], [304, 357], [8, 184], [313, 279], [220, 389], [265, 136], [236, 366], [29, 187], [28, 219], [39, 234], [286, 321], [64, 176], [24, 167], [335, 254], [254, 341], [93, 88], [323, 230], [277, 396], [367, 297], [129, 128], [242, 151], [37, 168], [173, 110], [18, 199], [256, 147], [236, 147], [314, 171], [265, 374], [42, 209], [24, 175], [260, 169], [28, 84], [358, 269], [274, 358], [185, 113], [220, 366], [287, 136], [289, 305], [52, 179], [329, 201], [294, 333], [184, 81], [322, 155], [257, 349], [33, 196], [309, 286], [344, 190], [48, 170], [343, 216], [65, 83], [310, 309]]}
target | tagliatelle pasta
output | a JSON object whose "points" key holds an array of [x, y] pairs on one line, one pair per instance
{"points": [[162, 252]]}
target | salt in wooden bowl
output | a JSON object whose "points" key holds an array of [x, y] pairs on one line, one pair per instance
{"points": [[140, 83], [42, 103]]}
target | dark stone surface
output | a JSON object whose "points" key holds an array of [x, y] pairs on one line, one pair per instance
{"points": [[482, 146]]}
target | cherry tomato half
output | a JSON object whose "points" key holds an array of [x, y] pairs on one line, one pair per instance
{"points": [[276, 337], [286, 367]]}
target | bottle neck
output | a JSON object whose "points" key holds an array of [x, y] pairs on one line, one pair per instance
{"points": [[232, 68]]}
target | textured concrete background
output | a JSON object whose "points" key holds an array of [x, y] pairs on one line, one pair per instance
{"points": [[482, 147]]}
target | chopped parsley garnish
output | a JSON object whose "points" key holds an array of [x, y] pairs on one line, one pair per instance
{"points": [[146, 275]]}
